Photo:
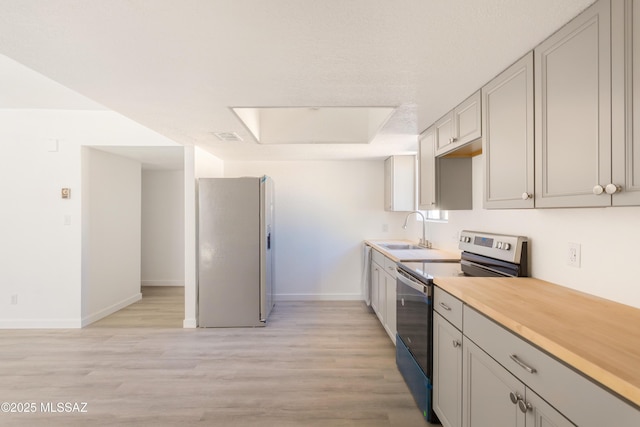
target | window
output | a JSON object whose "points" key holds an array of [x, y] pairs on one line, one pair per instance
{"points": [[436, 215]]}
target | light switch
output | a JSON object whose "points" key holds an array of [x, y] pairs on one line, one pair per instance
{"points": [[67, 220]]}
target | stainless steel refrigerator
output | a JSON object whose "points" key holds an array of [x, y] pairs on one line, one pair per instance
{"points": [[235, 251]]}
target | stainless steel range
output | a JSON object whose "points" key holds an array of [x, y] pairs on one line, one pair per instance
{"points": [[484, 254]]}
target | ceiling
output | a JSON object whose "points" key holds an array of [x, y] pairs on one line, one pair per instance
{"points": [[179, 66]]}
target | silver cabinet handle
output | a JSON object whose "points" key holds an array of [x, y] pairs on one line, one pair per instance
{"points": [[524, 406], [456, 343], [516, 399], [445, 306], [522, 364]]}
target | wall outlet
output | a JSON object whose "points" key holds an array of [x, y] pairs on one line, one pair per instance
{"points": [[573, 255], [14, 299], [385, 228]]}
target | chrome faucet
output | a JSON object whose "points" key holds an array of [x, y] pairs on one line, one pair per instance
{"points": [[423, 242]]}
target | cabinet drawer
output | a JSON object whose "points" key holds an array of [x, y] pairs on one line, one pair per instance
{"points": [[378, 258], [448, 307], [582, 401], [390, 266]]}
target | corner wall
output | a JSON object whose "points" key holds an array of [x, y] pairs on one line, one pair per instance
{"points": [[42, 245], [112, 263]]}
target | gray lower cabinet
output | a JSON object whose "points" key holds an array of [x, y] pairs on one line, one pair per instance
{"points": [[507, 112], [487, 388], [487, 376], [383, 292], [563, 394], [447, 372], [494, 397]]}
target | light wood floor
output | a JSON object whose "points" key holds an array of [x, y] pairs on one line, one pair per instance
{"points": [[315, 364]]}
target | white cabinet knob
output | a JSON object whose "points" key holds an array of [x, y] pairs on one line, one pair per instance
{"points": [[597, 190], [526, 196], [612, 188]]}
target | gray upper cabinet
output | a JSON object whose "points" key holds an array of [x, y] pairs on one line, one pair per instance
{"points": [[460, 126], [573, 112], [427, 170], [445, 183], [625, 56], [400, 183], [507, 120]]}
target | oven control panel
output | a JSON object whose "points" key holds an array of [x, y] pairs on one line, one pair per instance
{"points": [[501, 246]]}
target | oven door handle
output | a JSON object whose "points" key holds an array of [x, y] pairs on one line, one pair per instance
{"points": [[484, 267], [414, 284]]}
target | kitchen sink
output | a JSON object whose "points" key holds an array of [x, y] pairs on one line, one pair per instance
{"points": [[399, 246]]}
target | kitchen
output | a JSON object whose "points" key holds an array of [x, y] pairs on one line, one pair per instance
{"points": [[321, 221]]}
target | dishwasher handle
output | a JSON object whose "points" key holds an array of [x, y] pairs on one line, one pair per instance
{"points": [[405, 279]]}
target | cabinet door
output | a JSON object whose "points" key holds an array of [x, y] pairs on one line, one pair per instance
{"points": [[541, 414], [444, 133], [467, 120], [626, 90], [388, 184], [486, 391], [507, 111], [400, 183], [390, 315], [573, 111], [376, 272], [427, 170], [447, 372]]}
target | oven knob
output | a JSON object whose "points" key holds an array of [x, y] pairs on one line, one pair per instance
{"points": [[499, 245], [506, 246]]}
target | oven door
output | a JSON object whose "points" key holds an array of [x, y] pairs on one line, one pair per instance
{"points": [[414, 317]]}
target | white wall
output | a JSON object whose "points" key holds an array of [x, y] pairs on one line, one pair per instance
{"points": [[608, 238], [162, 228], [113, 233], [324, 211], [40, 256]]}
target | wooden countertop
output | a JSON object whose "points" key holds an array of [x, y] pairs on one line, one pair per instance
{"points": [[598, 337], [399, 255]]}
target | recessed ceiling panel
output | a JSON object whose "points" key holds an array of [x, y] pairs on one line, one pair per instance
{"points": [[314, 125]]}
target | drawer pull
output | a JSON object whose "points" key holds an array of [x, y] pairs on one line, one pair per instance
{"points": [[445, 306], [456, 343], [522, 364]]}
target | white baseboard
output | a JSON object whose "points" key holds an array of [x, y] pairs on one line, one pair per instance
{"points": [[162, 282], [40, 324], [319, 297], [111, 309]]}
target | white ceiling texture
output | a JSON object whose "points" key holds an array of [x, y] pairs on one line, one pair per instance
{"points": [[179, 66]]}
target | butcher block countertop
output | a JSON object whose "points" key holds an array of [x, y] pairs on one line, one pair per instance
{"points": [[598, 337], [422, 254]]}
